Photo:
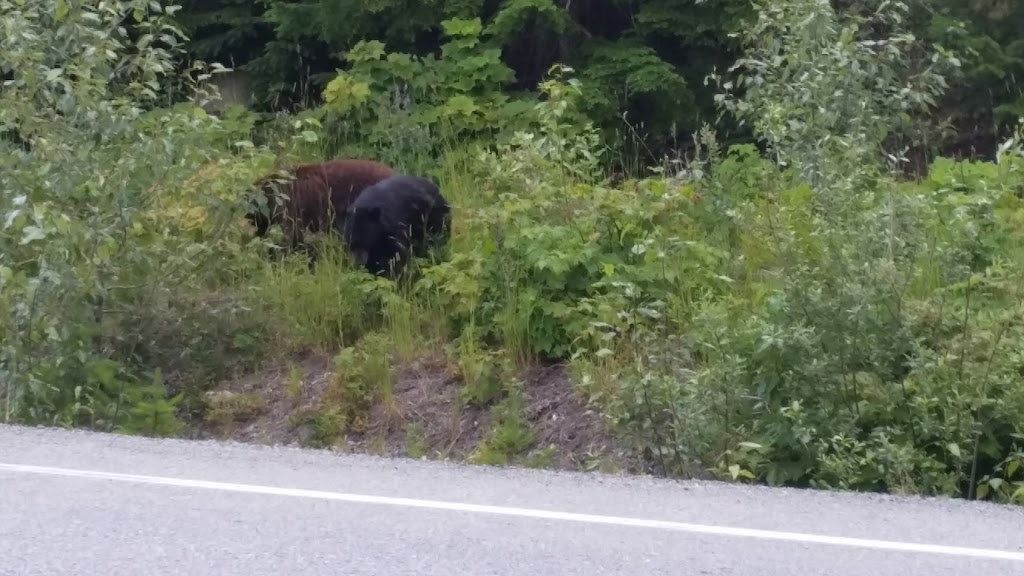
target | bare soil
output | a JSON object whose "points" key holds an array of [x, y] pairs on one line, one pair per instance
{"points": [[423, 418]]}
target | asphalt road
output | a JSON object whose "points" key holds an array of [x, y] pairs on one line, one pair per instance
{"points": [[214, 509]]}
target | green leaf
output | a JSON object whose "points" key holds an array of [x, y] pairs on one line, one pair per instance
{"points": [[460, 105], [982, 491], [954, 449], [457, 27], [1018, 494], [31, 234]]}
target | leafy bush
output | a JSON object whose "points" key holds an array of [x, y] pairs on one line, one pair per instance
{"points": [[92, 252], [545, 249], [403, 106], [868, 339]]}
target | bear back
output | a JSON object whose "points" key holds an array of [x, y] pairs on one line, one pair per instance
{"points": [[318, 194]]}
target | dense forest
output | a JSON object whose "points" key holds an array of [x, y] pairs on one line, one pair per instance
{"points": [[642, 64], [774, 242]]}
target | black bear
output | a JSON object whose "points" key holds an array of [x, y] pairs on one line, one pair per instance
{"points": [[315, 195], [393, 219]]}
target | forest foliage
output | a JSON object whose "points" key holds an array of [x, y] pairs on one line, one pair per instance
{"points": [[793, 312], [642, 63]]}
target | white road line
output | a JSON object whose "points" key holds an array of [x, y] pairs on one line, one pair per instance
{"points": [[522, 512]]}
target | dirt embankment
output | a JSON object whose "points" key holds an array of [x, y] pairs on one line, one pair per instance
{"points": [[425, 416]]}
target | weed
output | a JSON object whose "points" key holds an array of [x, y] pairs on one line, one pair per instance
{"points": [[226, 409], [510, 433], [362, 376], [541, 458], [295, 384], [415, 440], [482, 372]]}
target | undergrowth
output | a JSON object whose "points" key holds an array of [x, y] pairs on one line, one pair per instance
{"points": [[802, 317]]}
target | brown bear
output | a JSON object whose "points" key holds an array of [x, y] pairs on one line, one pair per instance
{"points": [[316, 195]]}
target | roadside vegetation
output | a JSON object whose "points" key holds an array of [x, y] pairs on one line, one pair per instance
{"points": [[792, 310]]}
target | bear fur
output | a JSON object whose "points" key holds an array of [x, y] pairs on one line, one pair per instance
{"points": [[317, 195], [393, 219]]}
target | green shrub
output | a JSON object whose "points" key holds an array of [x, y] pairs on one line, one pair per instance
{"points": [[81, 256]]}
